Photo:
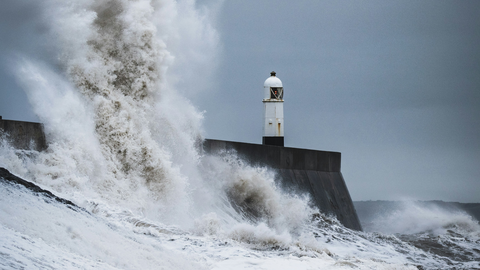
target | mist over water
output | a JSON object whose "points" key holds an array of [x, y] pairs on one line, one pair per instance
{"points": [[410, 217], [124, 143]]}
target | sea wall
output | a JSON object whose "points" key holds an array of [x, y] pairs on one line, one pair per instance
{"points": [[23, 135], [316, 173]]}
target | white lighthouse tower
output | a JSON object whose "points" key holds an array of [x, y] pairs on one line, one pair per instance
{"points": [[273, 111]]}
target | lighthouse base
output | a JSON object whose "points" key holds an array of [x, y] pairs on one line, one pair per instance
{"points": [[276, 141]]}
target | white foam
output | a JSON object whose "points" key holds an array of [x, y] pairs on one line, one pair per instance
{"points": [[40, 233]]}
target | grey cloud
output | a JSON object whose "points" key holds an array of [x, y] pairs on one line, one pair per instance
{"points": [[387, 83]]}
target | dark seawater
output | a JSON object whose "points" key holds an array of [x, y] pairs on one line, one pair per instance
{"points": [[448, 230]]}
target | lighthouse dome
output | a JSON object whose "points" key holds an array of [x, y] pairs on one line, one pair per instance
{"points": [[273, 87], [273, 81]]}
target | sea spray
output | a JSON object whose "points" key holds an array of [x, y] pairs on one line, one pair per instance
{"points": [[108, 133], [120, 133], [124, 143], [443, 230], [252, 191], [411, 217]]}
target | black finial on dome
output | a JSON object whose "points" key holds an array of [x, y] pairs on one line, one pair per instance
{"points": [[273, 73]]}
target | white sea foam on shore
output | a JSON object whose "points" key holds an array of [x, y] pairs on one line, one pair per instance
{"points": [[40, 233]]}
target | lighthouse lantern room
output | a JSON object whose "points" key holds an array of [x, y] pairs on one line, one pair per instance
{"points": [[273, 124]]}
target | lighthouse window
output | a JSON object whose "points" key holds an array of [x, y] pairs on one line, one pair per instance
{"points": [[276, 92]]}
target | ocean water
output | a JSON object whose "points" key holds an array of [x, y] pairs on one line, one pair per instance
{"points": [[124, 146]]}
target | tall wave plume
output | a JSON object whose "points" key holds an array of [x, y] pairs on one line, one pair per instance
{"points": [[116, 127], [121, 131]]}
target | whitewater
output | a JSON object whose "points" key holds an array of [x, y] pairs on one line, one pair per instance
{"points": [[124, 145]]}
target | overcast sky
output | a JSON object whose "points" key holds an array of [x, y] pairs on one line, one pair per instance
{"points": [[392, 85]]}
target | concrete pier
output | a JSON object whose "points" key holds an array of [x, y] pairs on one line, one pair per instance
{"points": [[23, 135], [316, 173]]}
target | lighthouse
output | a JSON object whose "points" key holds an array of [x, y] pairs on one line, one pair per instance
{"points": [[273, 124]]}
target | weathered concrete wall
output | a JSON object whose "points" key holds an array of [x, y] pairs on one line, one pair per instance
{"points": [[24, 135], [316, 173]]}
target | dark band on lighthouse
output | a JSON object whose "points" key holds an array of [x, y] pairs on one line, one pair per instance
{"points": [[273, 127]]}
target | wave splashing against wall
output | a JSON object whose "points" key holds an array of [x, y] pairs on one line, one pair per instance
{"points": [[120, 132], [108, 115]]}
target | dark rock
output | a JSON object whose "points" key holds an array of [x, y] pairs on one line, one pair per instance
{"points": [[9, 178]]}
